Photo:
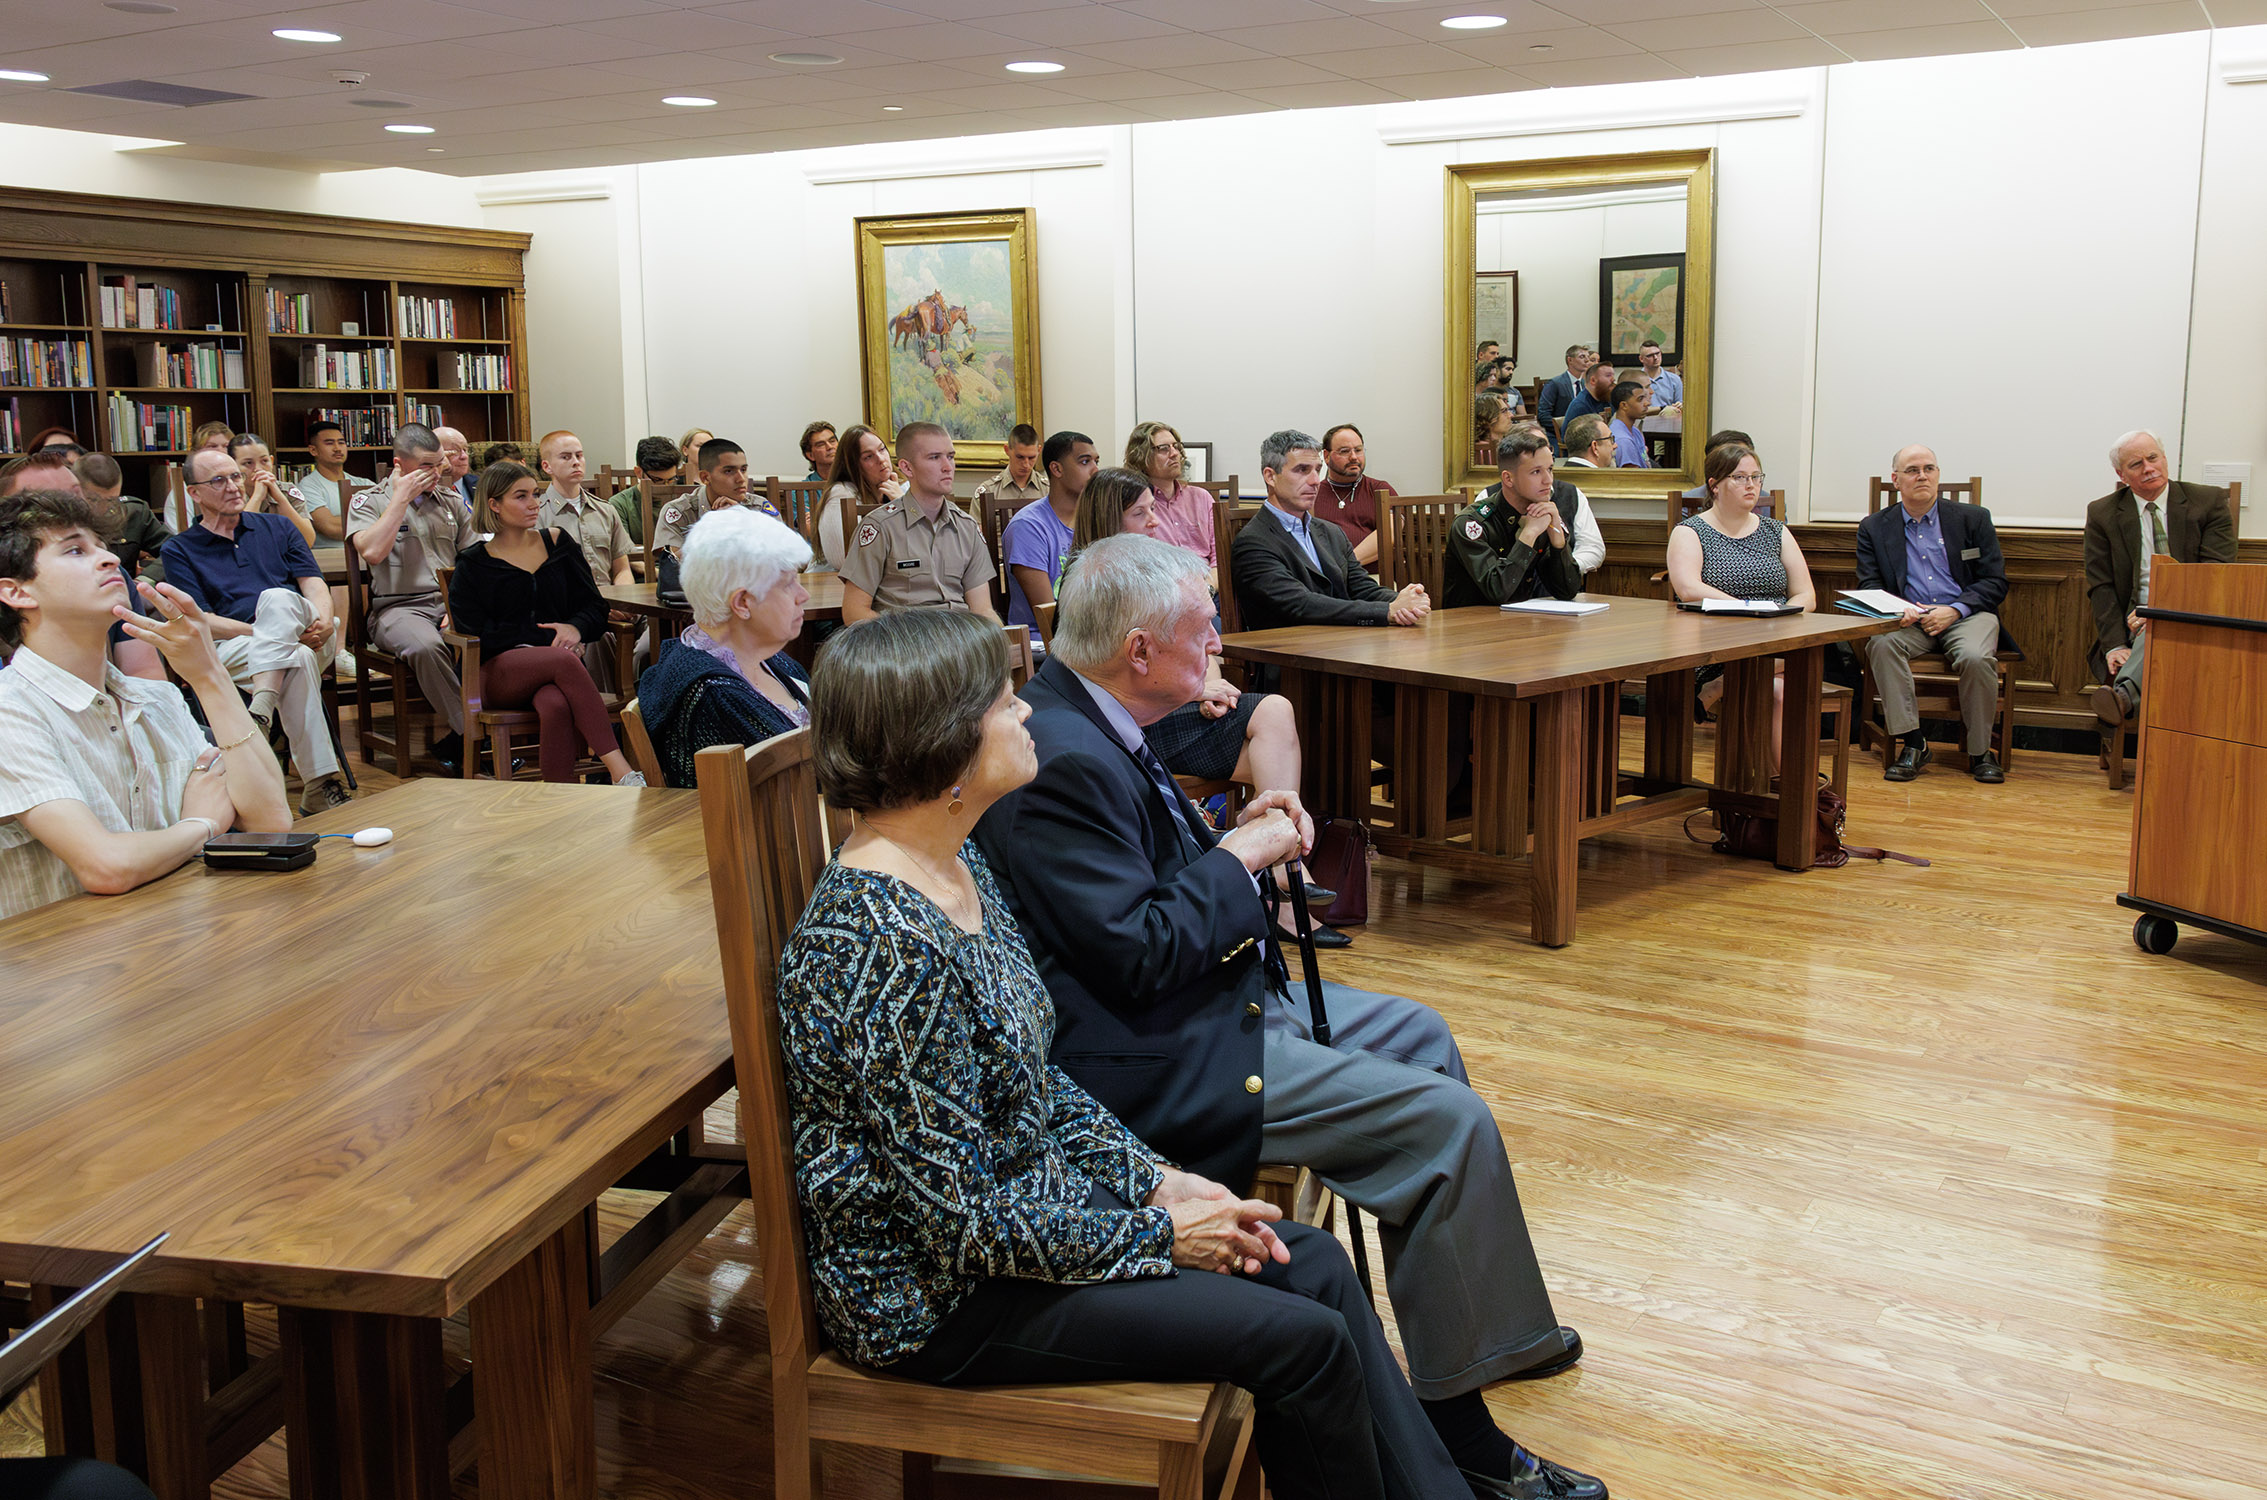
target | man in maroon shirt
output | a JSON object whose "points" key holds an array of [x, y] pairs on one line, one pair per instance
{"points": [[1350, 497]]}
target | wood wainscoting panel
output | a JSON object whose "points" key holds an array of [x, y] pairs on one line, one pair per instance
{"points": [[2046, 609]]}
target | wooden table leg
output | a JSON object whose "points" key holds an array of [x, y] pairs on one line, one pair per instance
{"points": [[171, 1350], [363, 1415], [1558, 808], [1500, 759], [532, 1383], [1743, 727], [1668, 727], [1798, 756], [131, 1392]]}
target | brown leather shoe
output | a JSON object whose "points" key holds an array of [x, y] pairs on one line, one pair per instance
{"points": [[2110, 705]]}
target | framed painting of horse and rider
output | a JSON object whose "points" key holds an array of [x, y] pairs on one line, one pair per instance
{"points": [[948, 316]]}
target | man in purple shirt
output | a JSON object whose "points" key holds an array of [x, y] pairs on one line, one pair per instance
{"points": [[1943, 560], [1037, 541]]}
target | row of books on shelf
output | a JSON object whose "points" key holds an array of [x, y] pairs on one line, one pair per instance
{"points": [[290, 312], [189, 367], [427, 413], [431, 318], [46, 362], [147, 427], [322, 368], [12, 430], [129, 303], [473, 372], [364, 426]]}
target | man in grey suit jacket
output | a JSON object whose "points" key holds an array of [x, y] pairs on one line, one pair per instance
{"points": [[1557, 394], [2149, 513]]}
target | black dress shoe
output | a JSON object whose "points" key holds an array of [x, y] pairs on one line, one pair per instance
{"points": [[1321, 893], [1986, 768], [1326, 936], [1908, 763], [1557, 1364], [1537, 1479]]}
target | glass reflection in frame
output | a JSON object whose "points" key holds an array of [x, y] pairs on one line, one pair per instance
{"points": [[1601, 264]]}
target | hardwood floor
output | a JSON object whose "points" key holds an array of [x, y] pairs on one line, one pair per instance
{"points": [[1872, 1182]]}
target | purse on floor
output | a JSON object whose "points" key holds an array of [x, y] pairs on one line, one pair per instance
{"points": [[1341, 862], [1748, 835]]}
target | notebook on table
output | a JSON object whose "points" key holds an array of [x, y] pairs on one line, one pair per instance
{"points": [[1752, 607], [1874, 604], [1556, 606], [24, 1355]]}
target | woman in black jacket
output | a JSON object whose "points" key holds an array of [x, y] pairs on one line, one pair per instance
{"points": [[526, 592], [729, 679]]}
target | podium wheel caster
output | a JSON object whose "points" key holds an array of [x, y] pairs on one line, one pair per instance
{"points": [[2155, 934]]}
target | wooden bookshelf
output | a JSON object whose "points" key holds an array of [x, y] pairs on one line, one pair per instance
{"points": [[58, 251]]}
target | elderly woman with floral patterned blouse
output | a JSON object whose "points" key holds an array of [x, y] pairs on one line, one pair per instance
{"points": [[974, 1217]]}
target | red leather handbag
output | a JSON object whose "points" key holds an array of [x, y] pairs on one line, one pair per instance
{"points": [[1341, 862]]}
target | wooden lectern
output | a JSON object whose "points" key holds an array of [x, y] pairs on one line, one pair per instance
{"points": [[2200, 812]]}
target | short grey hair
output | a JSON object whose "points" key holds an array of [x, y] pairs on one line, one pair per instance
{"points": [[1122, 584], [1584, 431], [412, 438], [2117, 449], [1277, 446], [734, 548], [1521, 442], [1931, 452]]}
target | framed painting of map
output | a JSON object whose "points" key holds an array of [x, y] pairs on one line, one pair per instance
{"points": [[1495, 310], [948, 320], [1641, 297]]}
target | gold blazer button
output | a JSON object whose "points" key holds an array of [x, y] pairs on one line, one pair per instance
{"points": [[1252, 1084]]}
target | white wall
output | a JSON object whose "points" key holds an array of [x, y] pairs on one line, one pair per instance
{"points": [[71, 161], [2086, 214]]}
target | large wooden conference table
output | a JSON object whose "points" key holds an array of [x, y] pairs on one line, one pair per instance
{"points": [[1544, 694], [377, 1092]]}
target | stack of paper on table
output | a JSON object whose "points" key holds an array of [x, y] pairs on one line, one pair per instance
{"points": [[1874, 604], [1558, 606], [1743, 606]]}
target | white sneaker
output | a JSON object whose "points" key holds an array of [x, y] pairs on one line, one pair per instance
{"points": [[343, 663], [633, 779]]}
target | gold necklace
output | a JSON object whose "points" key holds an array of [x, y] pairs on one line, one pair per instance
{"points": [[951, 888]]}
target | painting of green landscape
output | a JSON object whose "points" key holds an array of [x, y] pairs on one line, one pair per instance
{"points": [[952, 337]]}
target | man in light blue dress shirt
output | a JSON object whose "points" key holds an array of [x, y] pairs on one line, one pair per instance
{"points": [[1668, 386], [1631, 402]]}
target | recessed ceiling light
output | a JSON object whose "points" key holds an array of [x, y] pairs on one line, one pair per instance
{"points": [[411, 129], [436, 150], [688, 101], [300, 34], [893, 109], [140, 7], [1474, 23], [1035, 67], [806, 59], [18, 75], [1539, 46]]}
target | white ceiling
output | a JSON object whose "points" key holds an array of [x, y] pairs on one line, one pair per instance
{"points": [[525, 85]]}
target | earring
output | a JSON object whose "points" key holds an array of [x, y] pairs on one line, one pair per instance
{"points": [[955, 805]]}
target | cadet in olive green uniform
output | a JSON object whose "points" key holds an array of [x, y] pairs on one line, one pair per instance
{"points": [[1505, 546], [921, 549]]}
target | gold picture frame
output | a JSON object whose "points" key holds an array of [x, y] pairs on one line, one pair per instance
{"points": [[948, 325], [1696, 170]]}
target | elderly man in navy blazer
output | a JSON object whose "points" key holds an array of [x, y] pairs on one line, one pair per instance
{"points": [[1943, 559], [1556, 397], [1173, 1007]]}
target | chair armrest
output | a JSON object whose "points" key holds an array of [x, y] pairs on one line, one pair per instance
{"points": [[468, 672]]}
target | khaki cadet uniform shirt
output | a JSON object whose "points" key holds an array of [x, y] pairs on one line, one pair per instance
{"points": [[677, 517], [1003, 485], [594, 524], [905, 560], [432, 533]]}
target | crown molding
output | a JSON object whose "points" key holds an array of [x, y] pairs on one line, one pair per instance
{"points": [[2244, 67], [959, 165], [1533, 114], [530, 192]]}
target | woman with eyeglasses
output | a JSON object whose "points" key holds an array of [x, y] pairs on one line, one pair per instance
{"points": [[1729, 552], [1184, 510]]}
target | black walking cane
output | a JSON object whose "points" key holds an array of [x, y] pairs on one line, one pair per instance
{"points": [[1321, 1022]]}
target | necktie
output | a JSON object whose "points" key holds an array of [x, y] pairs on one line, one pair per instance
{"points": [[2156, 530], [1170, 790]]}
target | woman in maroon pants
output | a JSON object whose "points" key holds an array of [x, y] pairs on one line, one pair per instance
{"points": [[526, 593]]}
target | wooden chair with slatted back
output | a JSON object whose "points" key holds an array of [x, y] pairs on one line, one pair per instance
{"points": [[637, 745], [766, 846], [174, 504], [1936, 688], [1227, 523], [611, 481], [798, 502], [651, 498], [993, 514], [1020, 665], [1413, 541], [2113, 751], [1224, 492], [409, 705], [1045, 615]]}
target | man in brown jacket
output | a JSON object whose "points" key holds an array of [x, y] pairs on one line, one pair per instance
{"points": [[2149, 512]]}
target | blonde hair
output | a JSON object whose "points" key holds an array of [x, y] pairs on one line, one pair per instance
{"points": [[1141, 445], [496, 482]]}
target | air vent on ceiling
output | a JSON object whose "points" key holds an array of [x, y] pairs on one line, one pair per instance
{"points": [[147, 91], [379, 103]]}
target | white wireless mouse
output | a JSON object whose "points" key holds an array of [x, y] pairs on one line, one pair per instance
{"points": [[371, 838]]}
